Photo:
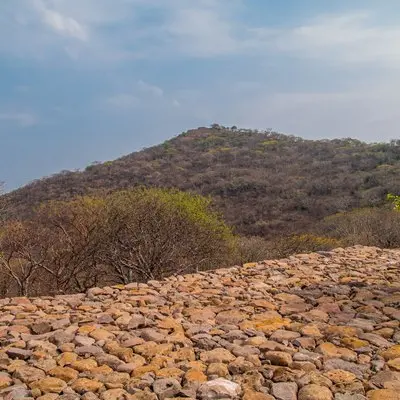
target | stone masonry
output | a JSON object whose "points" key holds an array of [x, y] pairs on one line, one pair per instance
{"points": [[320, 326]]}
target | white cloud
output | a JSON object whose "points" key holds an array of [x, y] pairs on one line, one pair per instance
{"points": [[64, 25], [21, 119], [123, 101], [189, 28], [140, 94], [153, 90], [202, 32], [351, 38], [61, 23]]}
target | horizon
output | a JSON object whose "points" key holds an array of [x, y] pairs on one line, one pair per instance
{"points": [[93, 80]]}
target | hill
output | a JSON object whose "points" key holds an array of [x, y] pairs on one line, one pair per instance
{"points": [[311, 327], [264, 183]]}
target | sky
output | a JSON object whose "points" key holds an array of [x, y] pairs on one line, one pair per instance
{"points": [[91, 80]]}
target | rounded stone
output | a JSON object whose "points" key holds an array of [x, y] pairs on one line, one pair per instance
{"points": [[314, 392]]}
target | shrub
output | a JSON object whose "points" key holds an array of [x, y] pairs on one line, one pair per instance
{"points": [[159, 232], [366, 226], [122, 237], [304, 243], [253, 249], [395, 200], [258, 249]]}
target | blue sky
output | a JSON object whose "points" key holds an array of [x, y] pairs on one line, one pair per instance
{"points": [[87, 80]]}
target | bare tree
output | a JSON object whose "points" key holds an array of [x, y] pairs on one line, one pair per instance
{"points": [[23, 253], [74, 263]]}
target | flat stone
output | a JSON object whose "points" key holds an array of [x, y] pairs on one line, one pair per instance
{"points": [[20, 354], [49, 385], [28, 374], [84, 385], [219, 389], [278, 358], [166, 388], [219, 355], [284, 390], [315, 392], [383, 394]]}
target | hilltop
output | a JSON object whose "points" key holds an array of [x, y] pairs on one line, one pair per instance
{"points": [[309, 327], [264, 183]]}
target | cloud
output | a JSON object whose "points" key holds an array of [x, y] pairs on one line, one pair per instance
{"points": [[93, 30], [367, 111], [351, 38], [153, 90], [115, 29], [202, 32], [64, 25], [21, 119], [140, 94], [123, 101]]}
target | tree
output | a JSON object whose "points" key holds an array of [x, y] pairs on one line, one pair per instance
{"points": [[23, 251], [157, 232], [75, 226], [137, 235], [56, 251]]}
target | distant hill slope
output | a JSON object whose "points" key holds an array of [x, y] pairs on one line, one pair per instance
{"points": [[263, 183]]}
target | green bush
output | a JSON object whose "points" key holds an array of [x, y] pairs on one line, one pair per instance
{"points": [[395, 200]]}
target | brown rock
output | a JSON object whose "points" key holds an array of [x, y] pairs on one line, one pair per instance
{"points": [[279, 358], [83, 385], [84, 365], [49, 385], [383, 394], [315, 392], [391, 353], [28, 374], [65, 373], [340, 376], [218, 370], [218, 355]]}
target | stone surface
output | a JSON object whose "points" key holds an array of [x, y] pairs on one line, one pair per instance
{"points": [[219, 389], [49, 385], [315, 392], [320, 326], [284, 390]]}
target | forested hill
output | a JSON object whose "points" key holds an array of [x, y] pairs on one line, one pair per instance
{"points": [[263, 183]]}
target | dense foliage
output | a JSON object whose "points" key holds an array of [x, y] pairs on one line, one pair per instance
{"points": [[265, 184]]}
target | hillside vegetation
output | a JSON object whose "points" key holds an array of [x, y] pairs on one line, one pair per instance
{"points": [[254, 196], [265, 184]]}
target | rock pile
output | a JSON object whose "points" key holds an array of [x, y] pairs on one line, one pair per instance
{"points": [[311, 327]]}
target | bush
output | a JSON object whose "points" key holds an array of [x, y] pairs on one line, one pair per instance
{"points": [[258, 249], [367, 226], [253, 249], [304, 243], [395, 200], [158, 232], [122, 237]]}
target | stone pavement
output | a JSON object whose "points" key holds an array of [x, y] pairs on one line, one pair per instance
{"points": [[311, 327]]}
